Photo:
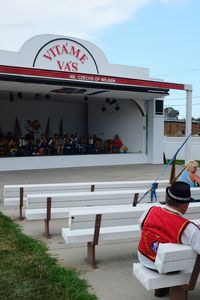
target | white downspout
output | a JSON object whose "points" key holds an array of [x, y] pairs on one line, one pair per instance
{"points": [[188, 124]]}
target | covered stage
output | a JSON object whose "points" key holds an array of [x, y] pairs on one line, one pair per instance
{"points": [[68, 88]]}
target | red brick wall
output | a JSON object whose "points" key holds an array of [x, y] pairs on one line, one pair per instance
{"points": [[177, 128]]}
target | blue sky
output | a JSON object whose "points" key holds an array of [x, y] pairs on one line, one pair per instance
{"points": [[162, 35]]}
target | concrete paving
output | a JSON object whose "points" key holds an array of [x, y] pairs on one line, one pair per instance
{"points": [[113, 280]]}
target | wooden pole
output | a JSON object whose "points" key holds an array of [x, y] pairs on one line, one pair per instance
{"points": [[92, 188], [21, 202], [48, 217], [91, 245], [135, 199]]}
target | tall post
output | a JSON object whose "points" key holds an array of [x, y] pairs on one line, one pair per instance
{"points": [[21, 202], [188, 125], [48, 217]]}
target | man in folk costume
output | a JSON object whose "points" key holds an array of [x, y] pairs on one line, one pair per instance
{"points": [[166, 224]]}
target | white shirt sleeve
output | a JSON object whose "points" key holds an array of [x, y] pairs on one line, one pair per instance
{"points": [[191, 236], [141, 219]]}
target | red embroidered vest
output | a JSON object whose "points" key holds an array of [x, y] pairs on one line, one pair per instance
{"points": [[160, 226]]}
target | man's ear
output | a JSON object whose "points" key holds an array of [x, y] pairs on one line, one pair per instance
{"points": [[185, 206]]}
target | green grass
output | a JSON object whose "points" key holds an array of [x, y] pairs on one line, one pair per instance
{"points": [[27, 272], [182, 162]]}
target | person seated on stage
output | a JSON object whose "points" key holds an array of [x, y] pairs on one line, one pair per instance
{"points": [[60, 142], [35, 149], [9, 136], [43, 147], [98, 144], [71, 141], [77, 143], [167, 224], [90, 145], [54, 145], [84, 145], [28, 146], [67, 145], [13, 147], [189, 174], [116, 144]]}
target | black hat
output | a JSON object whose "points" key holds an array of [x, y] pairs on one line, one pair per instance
{"points": [[179, 191]]}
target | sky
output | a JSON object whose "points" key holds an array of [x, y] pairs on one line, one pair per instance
{"points": [[162, 35]]}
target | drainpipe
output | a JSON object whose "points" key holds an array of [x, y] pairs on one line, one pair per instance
{"points": [[188, 125]]}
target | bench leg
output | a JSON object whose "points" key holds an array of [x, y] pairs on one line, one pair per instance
{"points": [[21, 203], [91, 254], [48, 217], [21, 218], [161, 292], [47, 234], [178, 293]]}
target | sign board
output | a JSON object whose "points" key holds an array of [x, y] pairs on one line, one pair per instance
{"points": [[65, 55]]}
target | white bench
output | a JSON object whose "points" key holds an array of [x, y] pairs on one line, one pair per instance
{"points": [[94, 224], [56, 206], [177, 267], [15, 195]]}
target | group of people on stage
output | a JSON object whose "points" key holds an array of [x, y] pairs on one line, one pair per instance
{"points": [[57, 145]]}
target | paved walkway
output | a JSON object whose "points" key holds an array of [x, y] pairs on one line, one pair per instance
{"points": [[113, 279]]}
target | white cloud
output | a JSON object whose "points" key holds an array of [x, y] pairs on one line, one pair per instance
{"points": [[22, 19]]}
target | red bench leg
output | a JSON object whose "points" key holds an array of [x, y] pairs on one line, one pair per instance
{"points": [[178, 293], [91, 245], [91, 254], [161, 292], [48, 217]]}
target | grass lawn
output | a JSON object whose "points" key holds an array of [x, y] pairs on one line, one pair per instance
{"points": [[182, 162], [28, 272]]}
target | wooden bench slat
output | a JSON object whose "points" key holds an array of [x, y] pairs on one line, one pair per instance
{"points": [[115, 232], [152, 280], [169, 256], [12, 202], [179, 270], [112, 215], [84, 198], [11, 191], [106, 233], [40, 214], [82, 211]]}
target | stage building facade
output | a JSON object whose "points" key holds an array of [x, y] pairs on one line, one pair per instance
{"points": [[59, 85]]}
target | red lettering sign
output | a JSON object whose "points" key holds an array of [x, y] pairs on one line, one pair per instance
{"points": [[66, 49], [66, 55]]}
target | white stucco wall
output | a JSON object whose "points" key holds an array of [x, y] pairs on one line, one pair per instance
{"points": [[172, 144], [69, 161], [26, 55], [127, 123], [155, 135]]}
